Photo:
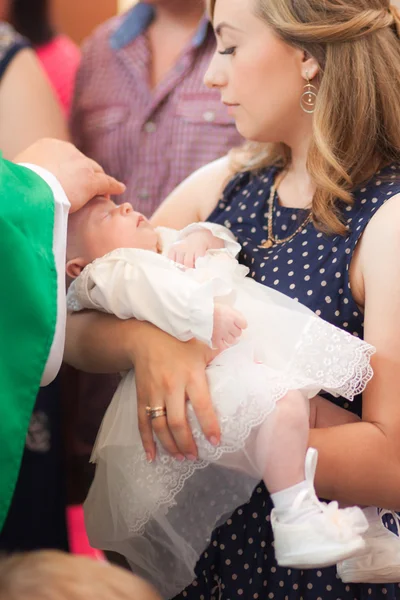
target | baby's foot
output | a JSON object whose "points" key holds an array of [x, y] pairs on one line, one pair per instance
{"points": [[379, 562], [313, 534]]}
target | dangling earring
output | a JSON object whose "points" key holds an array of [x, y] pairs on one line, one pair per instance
{"points": [[308, 100]]}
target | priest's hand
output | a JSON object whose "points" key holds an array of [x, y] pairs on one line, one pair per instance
{"points": [[80, 177]]}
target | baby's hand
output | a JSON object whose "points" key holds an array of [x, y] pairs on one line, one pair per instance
{"points": [[228, 326], [193, 246]]}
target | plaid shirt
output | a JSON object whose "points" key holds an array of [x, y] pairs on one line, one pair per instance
{"points": [[149, 139]]}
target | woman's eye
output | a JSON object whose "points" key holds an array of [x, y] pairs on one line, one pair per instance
{"points": [[230, 50]]}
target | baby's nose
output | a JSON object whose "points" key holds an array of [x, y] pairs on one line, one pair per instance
{"points": [[126, 208]]}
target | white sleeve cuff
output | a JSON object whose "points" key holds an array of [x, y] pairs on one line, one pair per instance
{"points": [[62, 206]]}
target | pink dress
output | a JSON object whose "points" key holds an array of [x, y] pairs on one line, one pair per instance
{"points": [[60, 59]]}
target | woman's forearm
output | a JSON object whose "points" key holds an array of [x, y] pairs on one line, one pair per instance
{"points": [[357, 464], [100, 343]]}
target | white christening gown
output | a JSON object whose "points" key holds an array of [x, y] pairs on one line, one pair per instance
{"points": [[160, 515]]}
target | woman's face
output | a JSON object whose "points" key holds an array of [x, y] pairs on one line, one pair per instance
{"points": [[260, 77]]}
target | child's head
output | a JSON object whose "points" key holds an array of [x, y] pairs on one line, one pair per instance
{"points": [[100, 227], [59, 576]]}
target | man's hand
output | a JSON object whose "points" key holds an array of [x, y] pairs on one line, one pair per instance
{"points": [[228, 326], [80, 177], [193, 246]]}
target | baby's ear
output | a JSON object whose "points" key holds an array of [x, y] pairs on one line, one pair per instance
{"points": [[75, 267]]}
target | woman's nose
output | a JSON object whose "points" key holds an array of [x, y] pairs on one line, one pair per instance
{"points": [[125, 208], [215, 76]]}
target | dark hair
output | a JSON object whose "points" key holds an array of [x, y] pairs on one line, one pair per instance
{"points": [[31, 18]]}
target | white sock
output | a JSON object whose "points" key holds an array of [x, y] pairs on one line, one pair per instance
{"points": [[283, 502]]}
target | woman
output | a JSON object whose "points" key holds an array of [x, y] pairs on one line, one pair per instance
{"points": [[317, 90]]}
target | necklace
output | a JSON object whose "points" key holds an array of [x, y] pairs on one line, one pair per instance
{"points": [[272, 240]]}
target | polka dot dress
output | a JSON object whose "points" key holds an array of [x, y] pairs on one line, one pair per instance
{"points": [[314, 269]]}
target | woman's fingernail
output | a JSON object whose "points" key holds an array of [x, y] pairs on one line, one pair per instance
{"points": [[149, 457], [179, 457], [214, 441], [191, 457]]}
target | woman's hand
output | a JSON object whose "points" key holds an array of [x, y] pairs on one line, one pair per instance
{"points": [[168, 374]]}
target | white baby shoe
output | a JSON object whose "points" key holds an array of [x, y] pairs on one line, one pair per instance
{"points": [[379, 562], [326, 536]]}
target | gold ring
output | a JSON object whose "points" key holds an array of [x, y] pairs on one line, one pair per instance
{"points": [[154, 413]]}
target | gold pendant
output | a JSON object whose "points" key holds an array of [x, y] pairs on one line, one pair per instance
{"points": [[268, 244]]}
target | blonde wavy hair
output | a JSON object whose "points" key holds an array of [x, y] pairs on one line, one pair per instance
{"points": [[52, 575], [356, 124]]}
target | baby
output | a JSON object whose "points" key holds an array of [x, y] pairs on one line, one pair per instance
{"points": [[50, 575], [275, 356]]}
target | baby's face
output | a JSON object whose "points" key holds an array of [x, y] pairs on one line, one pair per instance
{"points": [[101, 226]]}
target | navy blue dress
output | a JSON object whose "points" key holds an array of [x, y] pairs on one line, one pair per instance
{"points": [[314, 269]]}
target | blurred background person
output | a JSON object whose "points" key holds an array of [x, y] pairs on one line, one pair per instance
{"points": [[58, 54], [28, 108], [141, 108]]}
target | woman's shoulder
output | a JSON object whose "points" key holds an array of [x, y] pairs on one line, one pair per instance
{"points": [[381, 186], [11, 43], [248, 182]]}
